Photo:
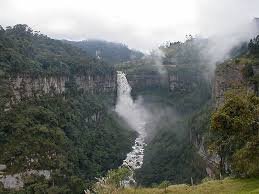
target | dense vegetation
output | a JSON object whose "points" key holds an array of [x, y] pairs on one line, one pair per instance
{"points": [[170, 154], [235, 134], [172, 158], [73, 135], [77, 138], [23, 50], [253, 46], [110, 52], [234, 125], [189, 52]]}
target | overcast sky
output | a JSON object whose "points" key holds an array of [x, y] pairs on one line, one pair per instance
{"points": [[141, 24]]}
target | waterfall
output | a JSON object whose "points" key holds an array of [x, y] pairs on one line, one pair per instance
{"points": [[132, 112], [136, 116]]}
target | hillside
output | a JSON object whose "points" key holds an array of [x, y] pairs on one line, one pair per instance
{"points": [[24, 51], [57, 132], [177, 97], [110, 52], [59, 129], [226, 186]]}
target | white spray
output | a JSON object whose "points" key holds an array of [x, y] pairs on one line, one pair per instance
{"points": [[136, 116]]}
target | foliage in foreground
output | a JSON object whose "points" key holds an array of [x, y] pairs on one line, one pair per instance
{"points": [[113, 181], [226, 186], [235, 134]]}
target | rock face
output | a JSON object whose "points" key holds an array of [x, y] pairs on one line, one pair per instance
{"points": [[227, 77], [178, 82], [169, 80], [97, 84], [16, 181], [145, 80], [180, 78], [2, 167], [25, 86]]}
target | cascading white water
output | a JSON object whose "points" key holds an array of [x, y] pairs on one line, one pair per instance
{"points": [[136, 116]]}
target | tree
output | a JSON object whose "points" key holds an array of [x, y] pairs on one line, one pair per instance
{"points": [[253, 46], [164, 185], [235, 132], [115, 177]]}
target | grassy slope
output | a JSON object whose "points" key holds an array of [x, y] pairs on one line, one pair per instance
{"points": [[229, 186]]}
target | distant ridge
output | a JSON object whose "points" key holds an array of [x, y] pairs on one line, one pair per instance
{"points": [[110, 52]]}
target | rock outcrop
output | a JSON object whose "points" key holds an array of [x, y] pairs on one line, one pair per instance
{"points": [[25, 86], [228, 76], [16, 181], [171, 80], [147, 80]]}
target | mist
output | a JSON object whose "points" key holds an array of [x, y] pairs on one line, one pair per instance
{"points": [[133, 112], [142, 25]]}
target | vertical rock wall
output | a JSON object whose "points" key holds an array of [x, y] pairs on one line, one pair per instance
{"points": [[227, 77], [25, 86]]}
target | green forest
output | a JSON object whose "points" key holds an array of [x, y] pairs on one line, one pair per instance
{"points": [[73, 134], [26, 51], [78, 137], [110, 52]]}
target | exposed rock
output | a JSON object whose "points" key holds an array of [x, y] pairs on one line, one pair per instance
{"points": [[255, 70], [16, 181], [170, 81], [209, 172], [12, 181], [96, 84], [2, 167], [212, 160], [24, 86], [227, 77], [173, 82], [178, 82], [143, 81]]}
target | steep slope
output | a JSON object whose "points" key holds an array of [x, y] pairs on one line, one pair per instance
{"points": [[173, 96], [242, 72], [56, 117], [234, 124]]}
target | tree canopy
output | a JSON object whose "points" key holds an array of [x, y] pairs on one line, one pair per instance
{"points": [[23, 50], [235, 133]]}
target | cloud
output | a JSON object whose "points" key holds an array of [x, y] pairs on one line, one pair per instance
{"points": [[226, 23], [136, 23], [220, 17], [141, 24]]}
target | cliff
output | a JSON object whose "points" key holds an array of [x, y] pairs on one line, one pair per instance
{"points": [[23, 86], [228, 76], [181, 79], [143, 81]]}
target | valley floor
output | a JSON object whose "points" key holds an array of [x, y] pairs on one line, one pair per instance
{"points": [[229, 186]]}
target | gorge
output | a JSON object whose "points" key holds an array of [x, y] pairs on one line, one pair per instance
{"points": [[67, 117]]}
